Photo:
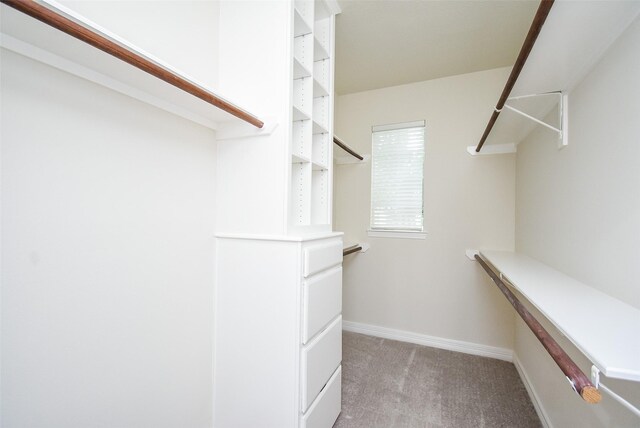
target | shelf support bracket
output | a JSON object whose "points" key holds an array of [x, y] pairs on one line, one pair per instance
{"points": [[563, 113], [595, 379]]}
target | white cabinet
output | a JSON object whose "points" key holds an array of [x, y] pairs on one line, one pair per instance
{"points": [[278, 331]]}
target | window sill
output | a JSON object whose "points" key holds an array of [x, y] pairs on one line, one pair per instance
{"points": [[396, 234]]}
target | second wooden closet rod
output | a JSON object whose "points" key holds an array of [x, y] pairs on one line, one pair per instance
{"points": [[346, 148], [534, 30], [579, 381]]}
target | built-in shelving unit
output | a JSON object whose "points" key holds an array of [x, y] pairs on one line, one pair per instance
{"points": [[312, 114], [567, 47], [50, 33], [603, 328]]}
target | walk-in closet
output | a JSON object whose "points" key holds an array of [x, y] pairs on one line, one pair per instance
{"points": [[319, 213]]}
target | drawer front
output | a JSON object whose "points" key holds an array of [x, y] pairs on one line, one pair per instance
{"points": [[322, 256], [322, 301], [325, 410], [319, 360]]}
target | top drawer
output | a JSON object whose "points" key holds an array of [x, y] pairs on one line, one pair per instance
{"points": [[320, 257]]}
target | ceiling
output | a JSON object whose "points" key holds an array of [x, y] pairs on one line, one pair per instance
{"points": [[382, 43]]}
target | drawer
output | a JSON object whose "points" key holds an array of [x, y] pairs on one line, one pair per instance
{"points": [[325, 410], [319, 360], [322, 256], [322, 301]]}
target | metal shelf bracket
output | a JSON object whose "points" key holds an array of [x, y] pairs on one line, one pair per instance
{"points": [[563, 115]]}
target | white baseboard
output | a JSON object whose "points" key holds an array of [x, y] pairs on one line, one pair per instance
{"points": [[535, 399], [432, 341]]}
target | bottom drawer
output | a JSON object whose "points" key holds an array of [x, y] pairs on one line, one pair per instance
{"points": [[325, 410]]}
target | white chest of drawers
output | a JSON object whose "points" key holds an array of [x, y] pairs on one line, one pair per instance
{"points": [[278, 332]]}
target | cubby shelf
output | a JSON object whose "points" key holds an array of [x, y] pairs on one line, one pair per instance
{"points": [[300, 25], [298, 158], [319, 166], [319, 51], [318, 89], [299, 70], [299, 114], [319, 128]]}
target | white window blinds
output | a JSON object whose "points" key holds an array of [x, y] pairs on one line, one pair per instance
{"points": [[397, 177]]}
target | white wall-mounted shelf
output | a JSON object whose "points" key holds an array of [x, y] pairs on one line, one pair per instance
{"points": [[299, 114], [573, 38], [38, 41], [319, 166], [318, 89], [319, 128], [606, 330], [298, 158], [300, 24], [299, 70], [319, 50]]}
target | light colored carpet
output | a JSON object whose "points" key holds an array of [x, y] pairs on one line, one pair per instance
{"points": [[389, 384]]}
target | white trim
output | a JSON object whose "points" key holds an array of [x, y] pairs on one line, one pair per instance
{"points": [[349, 160], [471, 254], [402, 125], [284, 238], [396, 234], [237, 129], [432, 341], [493, 149], [535, 399]]}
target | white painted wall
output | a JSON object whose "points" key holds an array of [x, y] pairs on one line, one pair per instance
{"points": [[578, 211], [429, 286], [107, 219]]}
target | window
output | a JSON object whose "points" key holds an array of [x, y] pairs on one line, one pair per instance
{"points": [[397, 179]]}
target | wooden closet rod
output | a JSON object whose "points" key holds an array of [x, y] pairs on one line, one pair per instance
{"points": [[96, 40], [579, 381], [534, 30], [346, 148], [351, 249]]}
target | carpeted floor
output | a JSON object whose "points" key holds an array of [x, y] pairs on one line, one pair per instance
{"points": [[389, 384]]}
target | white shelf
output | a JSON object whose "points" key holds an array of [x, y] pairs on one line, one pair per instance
{"points": [[318, 89], [319, 51], [572, 40], [299, 70], [317, 166], [300, 25], [298, 158], [31, 38], [319, 128], [299, 114], [604, 329], [326, 8]]}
